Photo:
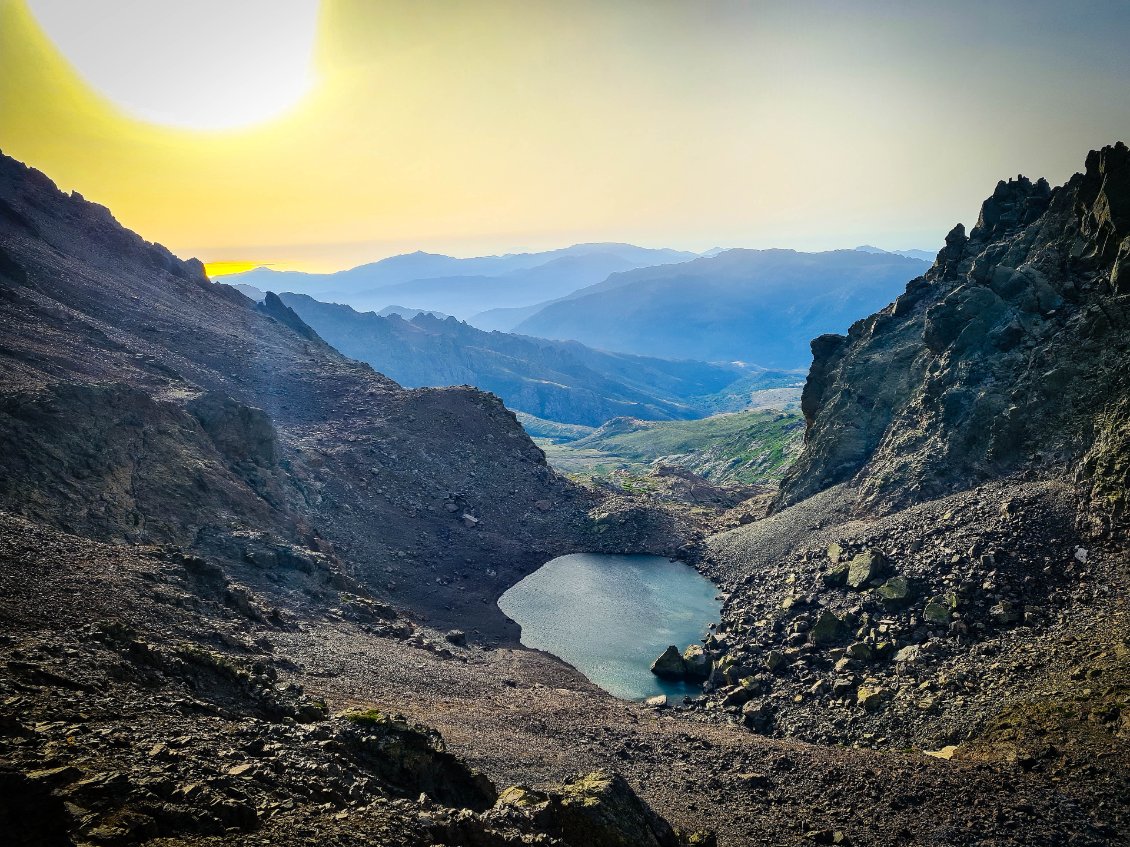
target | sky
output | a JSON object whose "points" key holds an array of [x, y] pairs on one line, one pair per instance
{"points": [[319, 136]]}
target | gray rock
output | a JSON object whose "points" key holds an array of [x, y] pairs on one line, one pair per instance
{"points": [[836, 575], [865, 567], [937, 611], [895, 591], [697, 662], [828, 629], [670, 664]]}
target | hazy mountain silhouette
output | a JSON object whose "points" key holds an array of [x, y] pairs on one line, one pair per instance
{"points": [[924, 255], [758, 306], [463, 287], [561, 381]]}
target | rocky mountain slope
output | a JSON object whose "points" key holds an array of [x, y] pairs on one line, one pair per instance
{"points": [[946, 564], [1008, 353], [555, 380], [757, 306], [187, 474]]}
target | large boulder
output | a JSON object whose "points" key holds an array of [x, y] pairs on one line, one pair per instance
{"points": [[828, 629], [601, 810], [670, 664], [895, 591], [865, 567], [697, 662], [413, 758]]}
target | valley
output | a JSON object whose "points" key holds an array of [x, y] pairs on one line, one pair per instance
{"points": [[251, 575], [747, 448]]}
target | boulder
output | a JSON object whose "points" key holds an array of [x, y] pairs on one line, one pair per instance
{"points": [[697, 662], [860, 651], [1005, 613], [414, 758], [908, 654], [895, 591], [865, 567], [828, 629], [670, 664], [601, 810], [871, 697], [759, 715], [774, 661], [937, 611], [836, 575]]}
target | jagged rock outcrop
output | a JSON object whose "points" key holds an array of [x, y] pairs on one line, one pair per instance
{"points": [[1007, 354]]}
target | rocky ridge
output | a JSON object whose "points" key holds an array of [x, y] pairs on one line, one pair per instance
{"points": [[1005, 355], [944, 567]]}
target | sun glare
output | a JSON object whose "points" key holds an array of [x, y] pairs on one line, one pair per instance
{"points": [[205, 65], [218, 269]]}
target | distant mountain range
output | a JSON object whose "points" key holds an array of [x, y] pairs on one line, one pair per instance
{"points": [[463, 287], [759, 306], [561, 381], [924, 255]]}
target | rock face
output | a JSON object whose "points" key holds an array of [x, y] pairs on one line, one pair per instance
{"points": [[959, 507], [1010, 352]]}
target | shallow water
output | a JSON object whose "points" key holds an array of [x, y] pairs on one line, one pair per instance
{"points": [[611, 616]]}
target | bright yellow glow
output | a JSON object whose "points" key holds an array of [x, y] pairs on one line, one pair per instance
{"points": [[217, 269], [504, 125], [207, 64]]}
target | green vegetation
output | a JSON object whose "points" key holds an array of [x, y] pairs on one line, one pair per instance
{"points": [[540, 428], [759, 389], [747, 447]]}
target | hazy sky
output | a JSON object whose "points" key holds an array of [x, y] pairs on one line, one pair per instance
{"points": [[321, 136]]}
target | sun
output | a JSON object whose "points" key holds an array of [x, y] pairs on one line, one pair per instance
{"points": [[203, 65]]}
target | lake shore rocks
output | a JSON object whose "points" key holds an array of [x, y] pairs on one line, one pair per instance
{"points": [[670, 664], [693, 664]]}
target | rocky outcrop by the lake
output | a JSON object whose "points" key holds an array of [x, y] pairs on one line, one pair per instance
{"points": [[1009, 353], [670, 664], [945, 566], [693, 664]]}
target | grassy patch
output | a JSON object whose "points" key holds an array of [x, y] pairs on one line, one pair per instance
{"points": [[748, 447]]}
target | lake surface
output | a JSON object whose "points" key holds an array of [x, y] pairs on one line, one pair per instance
{"points": [[611, 616]]}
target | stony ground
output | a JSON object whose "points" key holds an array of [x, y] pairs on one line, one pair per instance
{"points": [[177, 701]]}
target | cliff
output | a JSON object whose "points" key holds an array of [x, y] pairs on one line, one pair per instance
{"points": [[1009, 354]]}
